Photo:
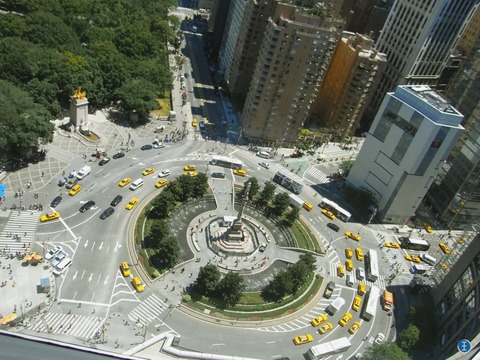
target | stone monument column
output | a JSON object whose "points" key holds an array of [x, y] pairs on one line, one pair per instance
{"points": [[79, 109]]}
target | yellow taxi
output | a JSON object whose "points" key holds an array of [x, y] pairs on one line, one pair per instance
{"points": [[125, 269], [74, 190], [348, 253], [319, 319], [325, 328], [131, 204], [354, 328], [328, 214], [191, 173], [138, 284], [444, 248], [345, 319], [51, 216], [239, 172], [148, 171], [194, 123], [307, 206], [352, 235], [340, 270], [124, 182], [357, 302], [349, 265], [428, 228], [413, 258], [392, 245], [189, 168], [161, 183], [302, 339], [359, 254], [361, 289]]}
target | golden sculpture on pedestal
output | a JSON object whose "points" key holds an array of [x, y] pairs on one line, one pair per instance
{"points": [[79, 94]]}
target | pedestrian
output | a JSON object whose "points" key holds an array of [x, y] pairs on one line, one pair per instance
{"points": [[43, 173]]}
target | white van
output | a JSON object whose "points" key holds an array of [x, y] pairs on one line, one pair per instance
{"points": [[429, 259], [263, 154], [349, 280], [136, 184], [61, 266], [84, 171]]}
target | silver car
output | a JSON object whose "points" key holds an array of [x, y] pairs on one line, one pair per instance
{"points": [[60, 256]]}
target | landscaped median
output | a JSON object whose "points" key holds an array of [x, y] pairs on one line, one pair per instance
{"points": [[253, 308]]}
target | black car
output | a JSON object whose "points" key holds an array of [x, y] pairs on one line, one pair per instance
{"points": [[104, 161], [71, 182], [87, 206], [146, 147], [187, 76], [106, 213], [116, 200], [218, 175], [333, 227], [56, 201], [119, 155]]}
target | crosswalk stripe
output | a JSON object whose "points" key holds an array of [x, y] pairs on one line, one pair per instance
{"points": [[148, 310], [27, 221], [81, 326], [318, 174]]}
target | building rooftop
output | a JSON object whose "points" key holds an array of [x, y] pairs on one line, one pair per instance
{"points": [[433, 98]]}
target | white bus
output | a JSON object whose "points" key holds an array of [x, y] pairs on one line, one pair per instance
{"points": [[370, 305], [290, 181], [371, 265], [414, 244], [328, 348], [226, 161], [334, 208]]}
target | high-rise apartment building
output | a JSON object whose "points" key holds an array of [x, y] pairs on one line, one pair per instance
{"points": [[216, 26], [418, 38], [245, 31], [297, 47], [456, 295], [366, 16], [455, 195], [353, 74], [412, 134]]}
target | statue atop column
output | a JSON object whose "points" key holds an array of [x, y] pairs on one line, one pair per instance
{"points": [[79, 94]]}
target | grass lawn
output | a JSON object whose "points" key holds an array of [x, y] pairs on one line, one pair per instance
{"points": [[305, 239], [164, 107]]}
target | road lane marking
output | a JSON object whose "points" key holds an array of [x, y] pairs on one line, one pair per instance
{"points": [[106, 280], [91, 277], [99, 276], [83, 274], [75, 275], [93, 245], [86, 244]]}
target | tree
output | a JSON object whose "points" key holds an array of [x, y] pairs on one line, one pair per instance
{"points": [[309, 260], [163, 204], [409, 337], [50, 30], [200, 185], [266, 195], [254, 188], [281, 201], [230, 288], [159, 229], [292, 216], [280, 286], [207, 280], [167, 255], [302, 271], [345, 167], [384, 351], [138, 96], [22, 122]]}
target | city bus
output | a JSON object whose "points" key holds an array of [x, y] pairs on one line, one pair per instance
{"points": [[290, 182], [329, 348], [370, 305], [226, 161], [336, 209], [371, 265], [414, 243]]}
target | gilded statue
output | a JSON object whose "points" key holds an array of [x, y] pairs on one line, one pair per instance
{"points": [[79, 94]]}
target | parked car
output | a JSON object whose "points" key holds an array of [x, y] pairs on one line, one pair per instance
{"points": [[119, 155], [73, 181], [52, 252], [104, 161], [379, 339], [58, 258]]}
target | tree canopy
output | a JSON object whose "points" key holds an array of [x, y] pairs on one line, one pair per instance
{"points": [[384, 351], [116, 50]]}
